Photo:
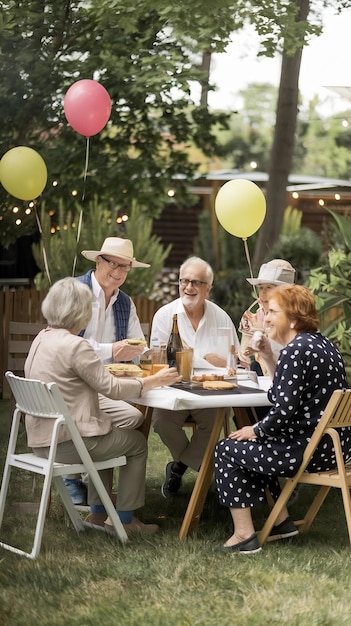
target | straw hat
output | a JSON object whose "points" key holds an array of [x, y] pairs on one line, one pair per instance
{"points": [[276, 272], [115, 246]]}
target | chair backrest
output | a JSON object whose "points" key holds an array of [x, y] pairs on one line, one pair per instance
{"points": [[44, 400], [33, 397], [338, 409], [21, 335], [336, 414]]}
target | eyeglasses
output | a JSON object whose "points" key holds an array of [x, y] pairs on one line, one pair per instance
{"points": [[125, 267], [272, 312], [184, 282]]}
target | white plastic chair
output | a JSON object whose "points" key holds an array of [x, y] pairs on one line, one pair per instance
{"points": [[34, 397]]}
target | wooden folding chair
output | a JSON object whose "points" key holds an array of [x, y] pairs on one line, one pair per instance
{"points": [[336, 415], [44, 400]]}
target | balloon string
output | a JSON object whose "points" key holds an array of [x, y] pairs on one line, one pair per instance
{"points": [[46, 265], [249, 262], [86, 167], [80, 221]]}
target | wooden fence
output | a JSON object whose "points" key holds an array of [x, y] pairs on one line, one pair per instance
{"points": [[23, 304]]}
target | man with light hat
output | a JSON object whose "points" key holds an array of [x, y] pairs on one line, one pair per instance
{"points": [[114, 320], [272, 274]]}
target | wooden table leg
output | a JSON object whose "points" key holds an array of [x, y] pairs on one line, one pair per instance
{"points": [[203, 481], [146, 425]]}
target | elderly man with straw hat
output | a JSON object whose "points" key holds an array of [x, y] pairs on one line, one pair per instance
{"points": [[114, 320]]}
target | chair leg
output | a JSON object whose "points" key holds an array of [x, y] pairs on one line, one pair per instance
{"points": [[4, 490], [317, 502], [347, 506]]}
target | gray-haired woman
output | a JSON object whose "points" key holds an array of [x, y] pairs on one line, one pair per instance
{"points": [[59, 355]]}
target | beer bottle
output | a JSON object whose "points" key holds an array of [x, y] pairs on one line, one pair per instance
{"points": [[174, 344]]}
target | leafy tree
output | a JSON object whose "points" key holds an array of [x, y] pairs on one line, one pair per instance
{"points": [[144, 69], [286, 119], [146, 55]]}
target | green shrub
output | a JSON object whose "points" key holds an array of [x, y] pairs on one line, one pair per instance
{"points": [[331, 283]]}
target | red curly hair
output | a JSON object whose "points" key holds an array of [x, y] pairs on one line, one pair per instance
{"points": [[298, 304]]}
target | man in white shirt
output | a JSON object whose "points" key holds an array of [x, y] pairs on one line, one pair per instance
{"points": [[114, 320], [202, 325]]}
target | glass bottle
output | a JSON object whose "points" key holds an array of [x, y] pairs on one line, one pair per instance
{"points": [[174, 344]]}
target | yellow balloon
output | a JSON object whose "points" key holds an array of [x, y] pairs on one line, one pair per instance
{"points": [[23, 173], [240, 207]]}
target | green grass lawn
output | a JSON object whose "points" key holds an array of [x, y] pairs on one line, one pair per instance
{"points": [[91, 580]]}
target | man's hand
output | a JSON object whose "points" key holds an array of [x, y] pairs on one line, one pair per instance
{"points": [[123, 351], [215, 359]]}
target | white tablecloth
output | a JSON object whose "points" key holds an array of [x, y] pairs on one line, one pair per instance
{"points": [[175, 399]]}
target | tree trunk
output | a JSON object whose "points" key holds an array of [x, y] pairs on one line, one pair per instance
{"points": [[282, 149], [205, 68]]}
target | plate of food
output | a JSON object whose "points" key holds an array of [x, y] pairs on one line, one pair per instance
{"points": [[215, 382], [201, 378], [124, 369]]}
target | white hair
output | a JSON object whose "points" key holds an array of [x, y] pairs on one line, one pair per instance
{"points": [[68, 304], [195, 260]]}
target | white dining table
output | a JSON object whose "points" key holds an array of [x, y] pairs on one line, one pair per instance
{"points": [[248, 394]]}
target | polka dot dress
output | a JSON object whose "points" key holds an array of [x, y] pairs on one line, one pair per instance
{"points": [[309, 369]]}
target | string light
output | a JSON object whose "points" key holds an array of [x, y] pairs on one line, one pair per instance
{"points": [[122, 218]]}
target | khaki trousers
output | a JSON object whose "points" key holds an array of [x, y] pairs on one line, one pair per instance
{"points": [[169, 426], [119, 441]]}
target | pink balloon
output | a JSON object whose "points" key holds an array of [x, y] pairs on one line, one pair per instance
{"points": [[87, 107]]}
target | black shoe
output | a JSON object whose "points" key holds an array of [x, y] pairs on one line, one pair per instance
{"points": [[248, 546], [284, 530], [172, 483]]}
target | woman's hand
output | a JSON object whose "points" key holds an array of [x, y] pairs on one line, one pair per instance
{"points": [[165, 377], [243, 434]]}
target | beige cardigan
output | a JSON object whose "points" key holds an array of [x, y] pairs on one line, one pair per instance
{"points": [[58, 356]]}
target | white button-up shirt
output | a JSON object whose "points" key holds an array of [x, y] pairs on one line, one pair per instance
{"points": [[215, 333], [101, 330]]}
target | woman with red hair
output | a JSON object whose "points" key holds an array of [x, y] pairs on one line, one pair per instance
{"points": [[251, 460]]}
